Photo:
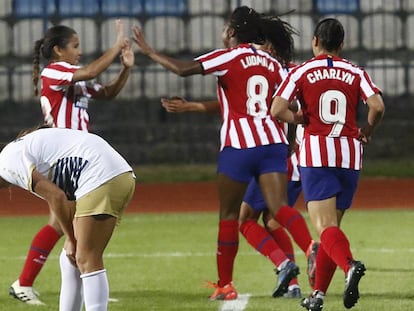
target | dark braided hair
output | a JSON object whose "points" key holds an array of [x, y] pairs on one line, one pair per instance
{"points": [[55, 36], [247, 25], [330, 34], [279, 34]]}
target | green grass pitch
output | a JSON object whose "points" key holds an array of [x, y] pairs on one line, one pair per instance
{"points": [[160, 262]]}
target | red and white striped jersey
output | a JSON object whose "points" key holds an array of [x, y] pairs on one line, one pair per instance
{"points": [[293, 173], [246, 81], [329, 90], [64, 103], [293, 160]]}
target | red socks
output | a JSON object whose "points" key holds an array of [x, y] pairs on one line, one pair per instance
{"points": [[293, 221], [324, 275], [227, 247], [262, 241], [283, 240], [336, 246], [41, 246]]}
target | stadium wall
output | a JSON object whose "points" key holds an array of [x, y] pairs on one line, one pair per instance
{"points": [[378, 37]]}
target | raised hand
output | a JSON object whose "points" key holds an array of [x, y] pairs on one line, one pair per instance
{"points": [[121, 40], [127, 55], [139, 39]]}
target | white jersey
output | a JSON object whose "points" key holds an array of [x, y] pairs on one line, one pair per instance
{"points": [[76, 161]]}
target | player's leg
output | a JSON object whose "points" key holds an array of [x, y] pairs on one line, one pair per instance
{"points": [[71, 296], [42, 244], [233, 175], [293, 221], [256, 235], [282, 238], [230, 196], [96, 216], [325, 191], [322, 188], [93, 234], [301, 229], [273, 185], [259, 238]]}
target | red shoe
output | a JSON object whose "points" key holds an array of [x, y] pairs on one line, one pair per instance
{"points": [[227, 292], [311, 253]]}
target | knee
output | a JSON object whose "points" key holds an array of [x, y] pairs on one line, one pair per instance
{"points": [[246, 226], [88, 263], [54, 223], [271, 224]]}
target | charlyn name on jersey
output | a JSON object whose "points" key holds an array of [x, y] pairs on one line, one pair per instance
{"points": [[331, 73]]}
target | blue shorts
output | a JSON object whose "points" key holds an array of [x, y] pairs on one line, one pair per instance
{"points": [[254, 197], [244, 164], [320, 183], [294, 189]]}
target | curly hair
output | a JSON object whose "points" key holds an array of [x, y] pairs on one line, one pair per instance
{"points": [[280, 34], [247, 25]]}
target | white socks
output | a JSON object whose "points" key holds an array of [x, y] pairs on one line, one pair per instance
{"points": [[71, 286], [95, 290], [74, 286]]}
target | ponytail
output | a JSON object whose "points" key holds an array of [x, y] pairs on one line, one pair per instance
{"points": [[36, 65]]}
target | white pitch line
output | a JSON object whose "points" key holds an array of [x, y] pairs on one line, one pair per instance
{"points": [[200, 254], [238, 304]]}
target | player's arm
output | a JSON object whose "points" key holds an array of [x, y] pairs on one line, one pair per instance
{"points": [[180, 67], [179, 104], [95, 68], [59, 205], [112, 89], [291, 137], [376, 109], [294, 105], [280, 109]]}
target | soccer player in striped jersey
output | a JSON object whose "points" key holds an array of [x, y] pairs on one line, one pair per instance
{"points": [[330, 89], [253, 204], [279, 43], [66, 90], [67, 86], [253, 145]]}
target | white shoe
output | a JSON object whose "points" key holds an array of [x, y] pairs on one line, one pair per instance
{"points": [[25, 294]]}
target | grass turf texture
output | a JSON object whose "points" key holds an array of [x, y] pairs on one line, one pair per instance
{"points": [[160, 261]]}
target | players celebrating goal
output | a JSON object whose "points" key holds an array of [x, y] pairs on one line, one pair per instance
{"points": [[329, 88]]}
